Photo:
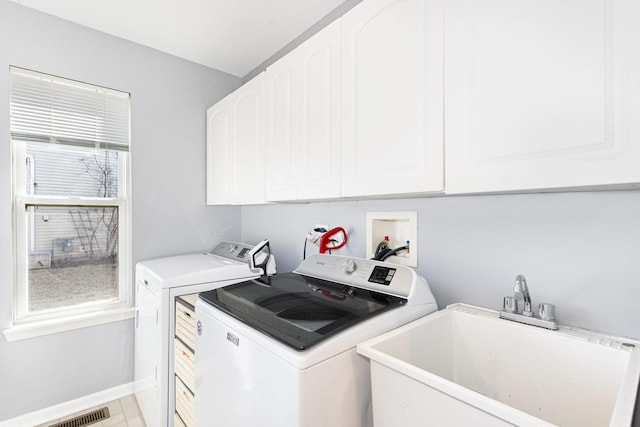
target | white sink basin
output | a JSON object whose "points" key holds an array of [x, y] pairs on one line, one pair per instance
{"points": [[463, 366]]}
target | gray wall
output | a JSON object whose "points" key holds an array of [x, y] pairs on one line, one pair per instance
{"points": [[579, 251], [326, 20], [169, 99]]}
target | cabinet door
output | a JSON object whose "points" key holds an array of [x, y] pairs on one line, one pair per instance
{"points": [[541, 94], [319, 114], [247, 151], [303, 120], [219, 153], [281, 174], [392, 125]]}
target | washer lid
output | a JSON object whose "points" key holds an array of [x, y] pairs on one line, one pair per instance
{"points": [[298, 310]]}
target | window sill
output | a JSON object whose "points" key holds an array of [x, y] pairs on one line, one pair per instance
{"points": [[35, 329]]}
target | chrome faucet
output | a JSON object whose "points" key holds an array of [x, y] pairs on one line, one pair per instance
{"points": [[546, 312], [520, 287]]}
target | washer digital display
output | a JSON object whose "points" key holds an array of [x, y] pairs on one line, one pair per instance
{"points": [[382, 275]]}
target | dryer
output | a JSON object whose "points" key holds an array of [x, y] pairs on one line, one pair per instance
{"points": [[282, 352], [158, 283]]}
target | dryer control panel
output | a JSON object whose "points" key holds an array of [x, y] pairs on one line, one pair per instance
{"points": [[232, 250]]}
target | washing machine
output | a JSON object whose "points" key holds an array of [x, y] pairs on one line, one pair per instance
{"points": [[282, 351], [159, 284]]}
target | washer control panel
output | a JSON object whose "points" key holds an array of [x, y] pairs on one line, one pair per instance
{"points": [[349, 266], [392, 279]]}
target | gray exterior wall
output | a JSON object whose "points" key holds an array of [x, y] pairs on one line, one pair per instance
{"points": [[62, 232], [169, 98]]}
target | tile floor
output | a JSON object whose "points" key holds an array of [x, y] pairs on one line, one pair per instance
{"points": [[123, 413]]}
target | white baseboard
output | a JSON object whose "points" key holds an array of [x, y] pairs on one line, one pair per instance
{"points": [[71, 407]]}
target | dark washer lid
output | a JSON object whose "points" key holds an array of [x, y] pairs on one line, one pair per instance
{"points": [[297, 310]]}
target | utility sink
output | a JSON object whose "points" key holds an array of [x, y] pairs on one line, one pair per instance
{"points": [[464, 366]]}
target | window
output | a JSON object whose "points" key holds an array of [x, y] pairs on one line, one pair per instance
{"points": [[70, 145]]}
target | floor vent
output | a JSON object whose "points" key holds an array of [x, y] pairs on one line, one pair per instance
{"points": [[86, 419]]}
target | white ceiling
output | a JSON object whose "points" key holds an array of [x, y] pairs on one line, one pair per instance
{"points": [[234, 36]]}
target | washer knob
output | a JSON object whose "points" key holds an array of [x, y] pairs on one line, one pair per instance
{"points": [[349, 266]]}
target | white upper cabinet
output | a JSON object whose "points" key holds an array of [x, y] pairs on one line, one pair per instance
{"points": [[281, 168], [392, 97], [319, 153], [541, 94], [247, 158], [235, 146], [219, 145], [303, 119]]}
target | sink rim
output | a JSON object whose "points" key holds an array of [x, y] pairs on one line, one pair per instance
{"points": [[624, 403]]}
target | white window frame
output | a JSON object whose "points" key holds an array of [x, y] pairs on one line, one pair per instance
{"points": [[29, 324]]}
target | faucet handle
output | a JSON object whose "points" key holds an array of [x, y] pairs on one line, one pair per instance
{"points": [[527, 308], [547, 311], [510, 305]]}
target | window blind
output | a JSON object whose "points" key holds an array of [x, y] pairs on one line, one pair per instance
{"points": [[51, 109]]}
